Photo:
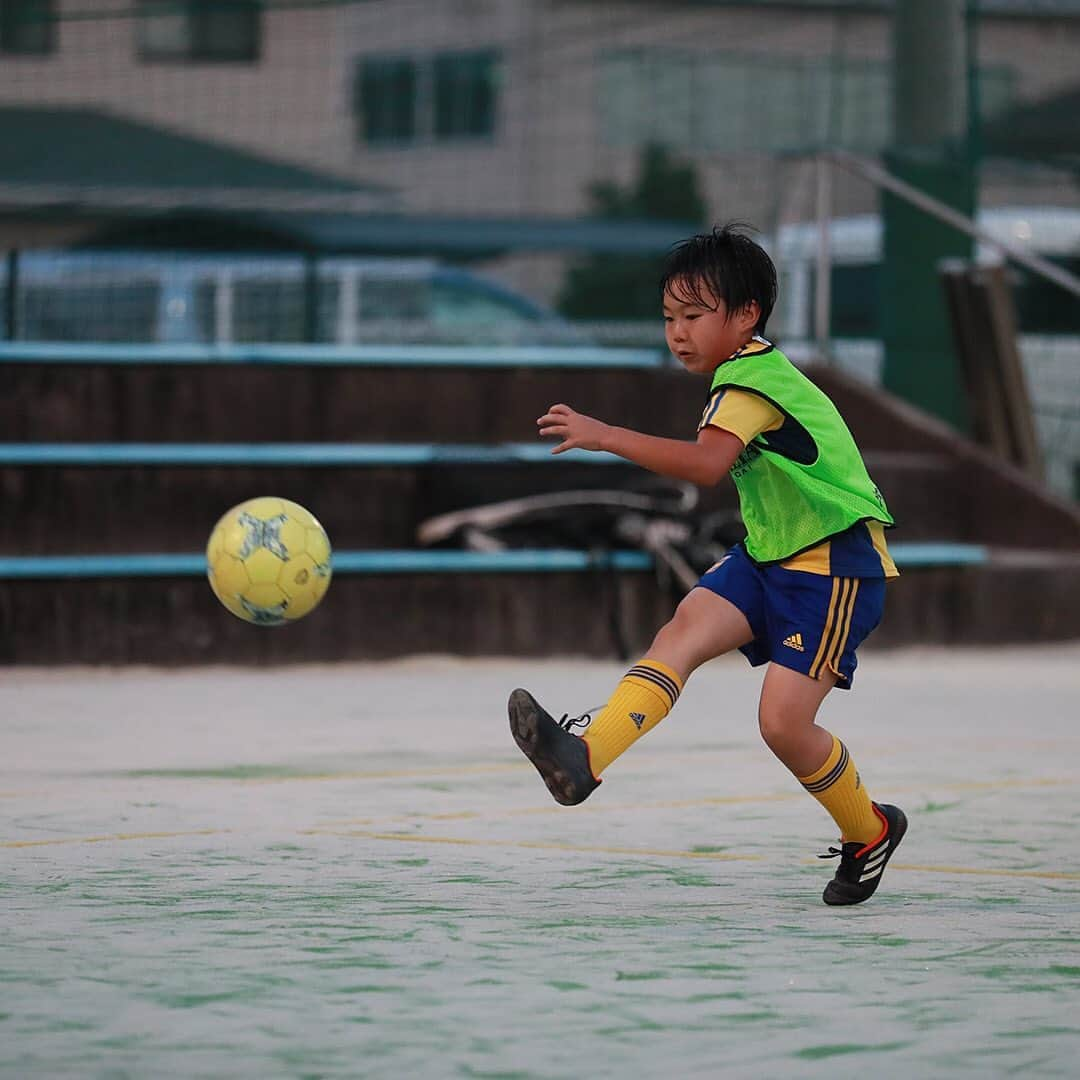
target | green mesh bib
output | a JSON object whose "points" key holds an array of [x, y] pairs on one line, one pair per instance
{"points": [[806, 482]]}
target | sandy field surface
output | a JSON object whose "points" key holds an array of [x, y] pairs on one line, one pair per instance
{"points": [[350, 870]]}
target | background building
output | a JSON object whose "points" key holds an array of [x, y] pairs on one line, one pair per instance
{"points": [[515, 106]]}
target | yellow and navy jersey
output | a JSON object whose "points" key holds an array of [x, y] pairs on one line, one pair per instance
{"points": [[859, 551]]}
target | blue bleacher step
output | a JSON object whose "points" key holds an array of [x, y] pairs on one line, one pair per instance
{"points": [[291, 454], [410, 561]]}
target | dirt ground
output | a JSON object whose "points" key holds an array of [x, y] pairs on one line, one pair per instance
{"points": [[349, 870]]}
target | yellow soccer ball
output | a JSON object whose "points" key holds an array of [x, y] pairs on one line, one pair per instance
{"points": [[268, 561]]}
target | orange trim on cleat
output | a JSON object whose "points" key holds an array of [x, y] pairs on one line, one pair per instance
{"points": [[880, 836]]}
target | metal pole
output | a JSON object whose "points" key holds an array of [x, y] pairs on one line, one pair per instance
{"points": [[11, 308], [974, 99], [930, 72], [928, 151], [311, 297], [823, 266]]}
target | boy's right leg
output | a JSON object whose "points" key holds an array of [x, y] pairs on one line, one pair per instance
{"points": [[704, 626]]}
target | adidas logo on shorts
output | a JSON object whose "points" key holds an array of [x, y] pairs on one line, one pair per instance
{"points": [[794, 641]]}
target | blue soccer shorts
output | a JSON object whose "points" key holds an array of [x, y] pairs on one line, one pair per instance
{"points": [[810, 623]]}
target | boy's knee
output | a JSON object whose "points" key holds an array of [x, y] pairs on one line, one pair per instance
{"points": [[676, 629], [776, 726], [703, 626]]}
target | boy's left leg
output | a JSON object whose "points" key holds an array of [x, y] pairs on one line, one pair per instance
{"points": [[787, 717], [869, 833]]}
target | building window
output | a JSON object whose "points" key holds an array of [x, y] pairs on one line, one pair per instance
{"points": [[446, 97], [27, 27], [717, 103], [386, 100], [199, 30], [465, 89]]}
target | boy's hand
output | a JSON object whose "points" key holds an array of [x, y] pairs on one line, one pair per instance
{"points": [[576, 430]]}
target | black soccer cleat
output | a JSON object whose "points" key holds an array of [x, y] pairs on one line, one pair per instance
{"points": [[861, 865], [561, 759]]}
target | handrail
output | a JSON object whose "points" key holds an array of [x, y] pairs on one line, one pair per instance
{"points": [[907, 556], [554, 356], [389, 561], [943, 212], [291, 454]]}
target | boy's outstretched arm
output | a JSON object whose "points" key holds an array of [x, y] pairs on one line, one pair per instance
{"points": [[705, 462]]}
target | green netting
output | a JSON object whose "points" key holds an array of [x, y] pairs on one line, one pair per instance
{"points": [[321, 164]]}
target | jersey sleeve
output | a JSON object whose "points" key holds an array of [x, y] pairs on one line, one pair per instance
{"points": [[744, 415]]}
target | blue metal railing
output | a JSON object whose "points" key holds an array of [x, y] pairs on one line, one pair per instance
{"points": [[552, 356], [294, 454], [400, 561], [408, 561]]}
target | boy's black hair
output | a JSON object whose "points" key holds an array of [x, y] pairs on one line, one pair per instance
{"points": [[726, 263]]}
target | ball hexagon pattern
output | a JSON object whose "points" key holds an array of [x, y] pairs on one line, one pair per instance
{"points": [[269, 561]]}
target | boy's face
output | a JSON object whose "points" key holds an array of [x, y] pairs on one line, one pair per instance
{"points": [[704, 336]]}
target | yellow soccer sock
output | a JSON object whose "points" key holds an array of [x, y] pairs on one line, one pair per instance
{"points": [[646, 695], [837, 787]]}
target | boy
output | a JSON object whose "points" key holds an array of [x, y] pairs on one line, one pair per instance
{"points": [[802, 590]]}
